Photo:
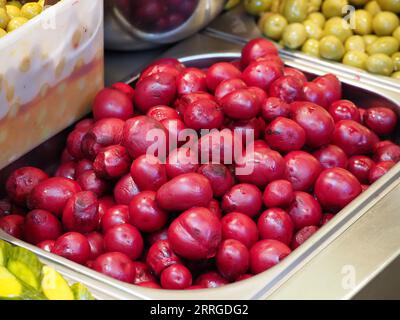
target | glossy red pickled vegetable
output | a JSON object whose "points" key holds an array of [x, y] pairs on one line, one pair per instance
{"points": [[161, 113], [331, 87], [116, 265], [266, 254], [245, 198], [111, 103], [115, 215], [360, 167], [148, 173], [232, 259], [219, 72], [315, 94], [125, 189], [273, 108], [379, 169], [302, 236], [238, 226], [344, 110], [176, 277], [305, 210], [286, 88], [142, 273], [73, 246], [331, 156], [241, 104], [96, 243], [220, 177], [278, 193], [261, 74], [203, 114], [161, 256], [41, 225], [228, 86], [380, 120], [287, 71], [66, 170], [46, 245], [191, 80], [257, 48], [89, 181], [124, 88], [13, 224], [112, 162], [276, 224], [211, 279]]}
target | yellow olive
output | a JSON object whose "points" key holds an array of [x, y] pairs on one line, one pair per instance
{"points": [[386, 45], [358, 3], [274, 26], [339, 28], [41, 2], [263, 17], [275, 6], [30, 10], [330, 47], [318, 18], [373, 8], [363, 22], [355, 59], [3, 3], [390, 5], [355, 43], [4, 18], [380, 63], [396, 61], [396, 75], [15, 23], [333, 8], [369, 39], [256, 7], [13, 11], [15, 4], [2, 32], [396, 34], [294, 35], [312, 29], [295, 10], [314, 5], [384, 23], [311, 47]]}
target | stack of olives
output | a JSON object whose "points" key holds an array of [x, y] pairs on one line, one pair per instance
{"points": [[361, 33], [14, 14]]}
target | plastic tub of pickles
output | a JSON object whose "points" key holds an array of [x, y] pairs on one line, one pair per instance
{"points": [[24, 277], [364, 34]]}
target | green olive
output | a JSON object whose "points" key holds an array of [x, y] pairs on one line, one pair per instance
{"points": [[384, 23], [295, 10], [274, 26], [318, 18], [313, 30], [333, 8], [256, 7], [396, 34], [263, 18], [373, 8], [314, 5], [4, 18], [294, 35], [355, 43], [380, 63], [369, 39], [330, 47], [30, 10], [363, 22], [311, 47], [390, 5], [386, 45], [396, 75], [396, 61], [339, 28], [355, 59]]}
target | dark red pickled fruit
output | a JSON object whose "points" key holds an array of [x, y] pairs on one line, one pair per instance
{"points": [[381, 144], [115, 265], [215, 208], [278, 193], [80, 213], [148, 173], [203, 114], [287, 71], [267, 253], [66, 170], [161, 113], [344, 110], [73, 246], [161, 256], [176, 277], [302, 169], [191, 80], [13, 224], [84, 124], [125, 189], [5, 207], [257, 48], [81, 166], [331, 156], [232, 259], [244, 277], [331, 86], [183, 102], [52, 194], [184, 192], [111, 103], [124, 238], [169, 65], [271, 59], [96, 243], [238, 226], [21, 182], [285, 135], [153, 237], [261, 74], [124, 88], [228, 86], [260, 166], [360, 167], [112, 162], [251, 128], [211, 279], [287, 88], [364, 187], [66, 156], [304, 210], [74, 143], [387, 153], [315, 94], [41, 225], [326, 217], [258, 93], [379, 169], [245, 198], [353, 138], [195, 234], [381, 120], [103, 133], [144, 213], [136, 137], [155, 89], [336, 187], [142, 273], [316, 122], [220, 177], [219, 72], [89, 181], [115, 215], [241, 104], [150, 285], [46, 245], [303, 235], [177, 133], [273, 108], [276, 224]]}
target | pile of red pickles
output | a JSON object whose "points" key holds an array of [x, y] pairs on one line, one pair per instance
{"points": [[190, 225]]}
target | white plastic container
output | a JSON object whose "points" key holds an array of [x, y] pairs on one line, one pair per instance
{"points": [[50, 70]]}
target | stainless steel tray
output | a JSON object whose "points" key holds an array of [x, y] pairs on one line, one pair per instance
{"points": [[328, 242]]}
